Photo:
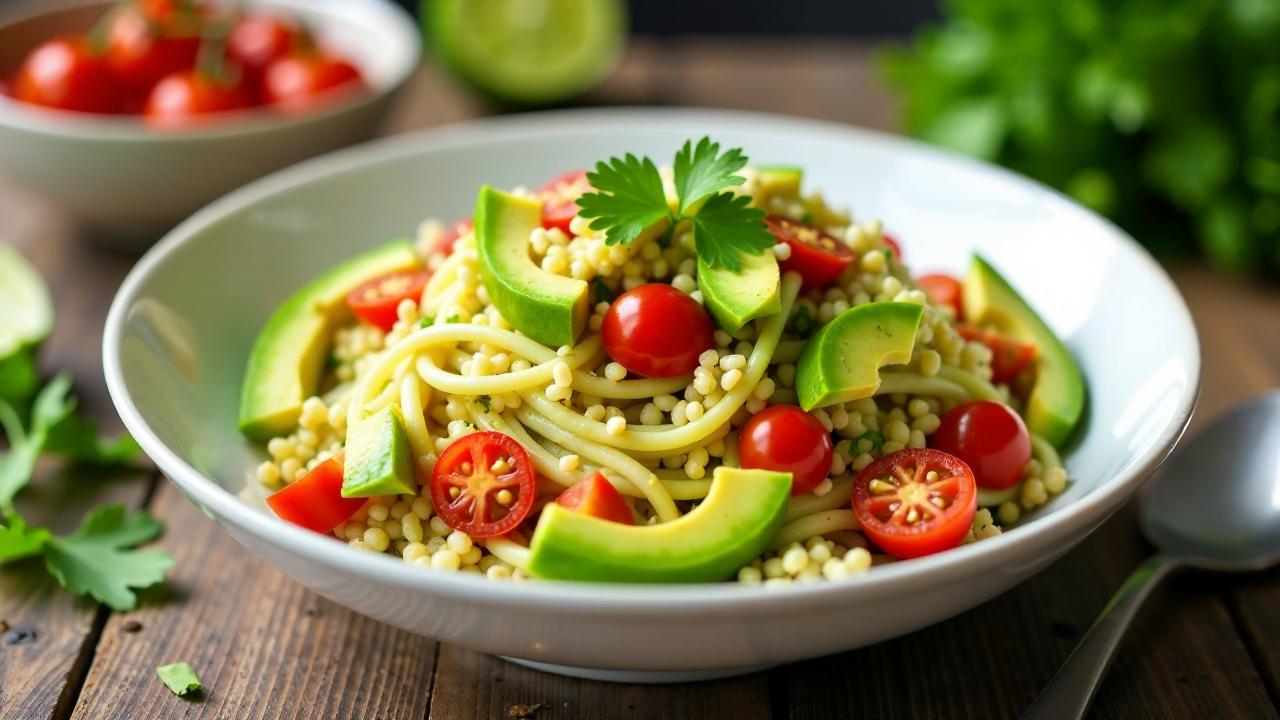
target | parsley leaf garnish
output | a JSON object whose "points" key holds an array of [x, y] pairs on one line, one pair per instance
{"points": [[19, 541], [180, 678], [97, 560], [628, 198], [701, 171]]}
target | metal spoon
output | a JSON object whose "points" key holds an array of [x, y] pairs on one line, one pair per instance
{"points": [[1213, 505]]}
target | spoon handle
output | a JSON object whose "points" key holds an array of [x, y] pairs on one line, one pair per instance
{"points": [[1070, 691]]}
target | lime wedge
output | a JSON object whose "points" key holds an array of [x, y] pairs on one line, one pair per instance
{"points": [[528, 51], [26, 316]]}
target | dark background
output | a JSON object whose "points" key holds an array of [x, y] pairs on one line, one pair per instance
{"points": [[774, 17]]}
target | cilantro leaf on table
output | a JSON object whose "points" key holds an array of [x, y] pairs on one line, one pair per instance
{"points": [[701, 171], [628, 198], [18, 541], [52, 405], [180, 678], [79, 440], [726, 228], [98, 560]]}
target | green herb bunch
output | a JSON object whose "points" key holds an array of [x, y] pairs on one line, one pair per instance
{"points": [[1161, 114]]}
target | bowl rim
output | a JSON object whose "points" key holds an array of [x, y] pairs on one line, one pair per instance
{"points": [[240, 123], [1058, 529]]}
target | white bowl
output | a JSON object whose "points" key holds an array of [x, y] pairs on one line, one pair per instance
{"points": [[181, 327], [130, 183]]}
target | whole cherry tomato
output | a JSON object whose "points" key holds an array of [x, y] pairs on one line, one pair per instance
{"points": [[787, 439], [990, 438], [188, 98], [303, 81], [64, 74], [915, 502], [141, 51], [657, 331], [256, 41], [817, 255]]}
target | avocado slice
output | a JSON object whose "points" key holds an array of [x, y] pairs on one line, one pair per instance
{"points": [[777, 181], [551, 309], [735, 523], [26, 321], [288, 357], [738, 297], [379, 461], [842, 362], [1056, 401]]}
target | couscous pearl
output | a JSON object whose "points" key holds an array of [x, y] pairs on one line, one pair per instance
{"points": [[615, 372], [459, 541], [498, 572], [773, 568], [1055, 480], [569, 463], [376, 539], [616, 425], [472, 556], [730, 379], [857, 559], [446, 560], [794, 560], [1009, 512], [692, 412]]}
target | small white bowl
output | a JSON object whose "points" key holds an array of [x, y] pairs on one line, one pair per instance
{"points": [[130, 183], [180, 330]]}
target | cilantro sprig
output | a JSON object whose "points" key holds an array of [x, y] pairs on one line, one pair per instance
{"points": [[628, 198]]}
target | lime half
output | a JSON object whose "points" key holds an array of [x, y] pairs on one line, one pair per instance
{"points": [[26, 316], [528, 51]]}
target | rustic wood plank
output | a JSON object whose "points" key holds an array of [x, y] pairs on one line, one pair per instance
{"points": [[264, 646], [472, 685], [51, 634]]}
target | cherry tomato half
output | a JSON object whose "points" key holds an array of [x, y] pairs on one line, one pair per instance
{"points": [[560, 199], [915, 502], [943, 290], [188, 98], [893, 244], [990, 438], [63, 74], [597, 497], [1009, 357], [141, 52], [787, 439], [817, 255], [303, 81], [483, 484], [657, 331], [314, 501], [376, 301]]}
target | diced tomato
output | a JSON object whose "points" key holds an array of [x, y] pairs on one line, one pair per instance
{"points": [[315, 500], [817, 255], [1009, 357], [560, 199], [787, 439], [376, 301], [915, 502], [483, 484], [943, 290], [990, 438], [597, 497]]}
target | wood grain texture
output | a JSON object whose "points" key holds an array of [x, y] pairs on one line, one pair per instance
{"points": [[470, 685], [264, 646]]}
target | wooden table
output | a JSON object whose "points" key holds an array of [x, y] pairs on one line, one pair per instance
{"points": [[1205, 647]]}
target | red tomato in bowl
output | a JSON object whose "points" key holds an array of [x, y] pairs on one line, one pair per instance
{"points": [[314, 501], [990, 438], [1009, 357], [915, 502], [141, 51], [64, 74], [657, 331], [943, 290], [256, 41], [377, 300], [483, 484], [787, 439], [559, 198], [304, 81], [817, 255], [188, 98], [597, 497]]}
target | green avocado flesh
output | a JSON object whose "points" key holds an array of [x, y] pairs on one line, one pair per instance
{"points": [[842, 362], [776, 181], [1056, 401], [26, 316], [738, 297], [378, 460], [734, 524], [551, 309], [288, 357]]}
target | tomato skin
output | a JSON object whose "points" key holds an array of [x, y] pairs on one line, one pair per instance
{"points": [[304, 81], [451, 235], [315, 500], [818, 256], [787, 439], [943, 289], [465, 466], [63, 74], [597, 497], [657, 331], [894, 246], [990, 438], [256, 41], [141, 52], [187, 98], [559, 199], [1009, 357], [939, 528], [376, 301]]}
